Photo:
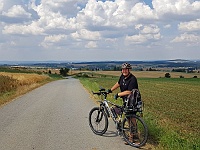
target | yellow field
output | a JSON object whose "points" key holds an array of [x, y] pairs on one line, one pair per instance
{"points": [[24, 78], [15, 84]]}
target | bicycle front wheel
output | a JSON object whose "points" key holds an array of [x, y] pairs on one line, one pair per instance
{"points": [[98, 121], [134, 131]]}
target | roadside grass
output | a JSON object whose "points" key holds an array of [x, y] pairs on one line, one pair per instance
{"points": [[16, 84], [171, 109]]}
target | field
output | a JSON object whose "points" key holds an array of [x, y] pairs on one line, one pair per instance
{"points": [[171, 109], [15, 84], [171, 104], [152, 74]]}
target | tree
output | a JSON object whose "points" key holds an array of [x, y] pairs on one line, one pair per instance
{"points": [[167, 75], [64, 71]]}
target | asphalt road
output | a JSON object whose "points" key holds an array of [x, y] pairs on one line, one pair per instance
{"points": [[54, 117]]}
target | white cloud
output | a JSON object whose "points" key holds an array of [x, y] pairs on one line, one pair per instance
{"points": [[146, 33], [120, 13], [49, 19], [137, 39], [91, 44], [109, 25], [1, 5], [23, 29], [142, 11], [85, 34], [167, 26], [176, 7], [52, 39], [190, 26], [150, 29], [17, 11], [190, 39]]}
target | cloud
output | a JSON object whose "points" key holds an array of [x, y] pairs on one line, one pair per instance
{"points": [[174, 9], [33, 29], [146, 33], [47, 20], [1, 5], [17, 11], [143, 11], [51, 39], [107, 25], [167, 26], [54, 38], [190, 26], [85, 34], [117, 14], [189, 39], [91, 44]]}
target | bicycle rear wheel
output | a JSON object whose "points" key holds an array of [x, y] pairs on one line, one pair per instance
{"points": [[98, 121], [134, 131]]}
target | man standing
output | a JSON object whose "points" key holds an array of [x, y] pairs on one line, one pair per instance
{"points": [[127, 82]]}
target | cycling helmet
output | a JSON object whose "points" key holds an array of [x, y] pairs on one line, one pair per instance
{"points": [[126, 66]]}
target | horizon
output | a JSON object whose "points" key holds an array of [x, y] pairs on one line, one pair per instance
{"points": [[9, 62]]}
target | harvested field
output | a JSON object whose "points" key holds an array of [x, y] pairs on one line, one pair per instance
{"points": [[15, 84], [151, 74]]}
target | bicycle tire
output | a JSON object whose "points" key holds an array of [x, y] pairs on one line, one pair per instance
{"points": [[134, 131], [98, 121]]}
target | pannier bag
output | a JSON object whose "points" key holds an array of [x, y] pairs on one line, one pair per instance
{"points": [[134, 101]]}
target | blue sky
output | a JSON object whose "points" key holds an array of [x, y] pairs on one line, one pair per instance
{"points": [[90, 30]]}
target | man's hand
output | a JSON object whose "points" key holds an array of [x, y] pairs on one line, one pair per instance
{"points": [[116, 96], [109, 91]]}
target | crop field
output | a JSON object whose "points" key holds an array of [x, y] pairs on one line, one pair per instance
{"points": [[171, 109], [152, 74], [15, 84]]}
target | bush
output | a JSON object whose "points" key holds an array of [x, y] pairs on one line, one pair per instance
{"points": [[167, 75], [64, 71]]}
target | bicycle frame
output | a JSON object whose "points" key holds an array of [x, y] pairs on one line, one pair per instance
{"points": [[104, 105]]}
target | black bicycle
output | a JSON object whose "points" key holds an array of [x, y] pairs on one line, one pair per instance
{"points": [[131, 127]]}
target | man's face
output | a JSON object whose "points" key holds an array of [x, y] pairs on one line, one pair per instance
{"points": [[125, 72]]}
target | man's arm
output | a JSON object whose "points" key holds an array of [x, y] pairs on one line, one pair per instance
{"points": [[124, 93], [115, 86]]}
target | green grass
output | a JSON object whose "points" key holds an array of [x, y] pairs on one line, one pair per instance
{"points": [[171, 109]]}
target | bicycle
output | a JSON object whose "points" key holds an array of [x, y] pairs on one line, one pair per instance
{"points": [[127, 124]]}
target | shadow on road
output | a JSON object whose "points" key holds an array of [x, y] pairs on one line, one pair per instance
{"points": [[110, 134]]}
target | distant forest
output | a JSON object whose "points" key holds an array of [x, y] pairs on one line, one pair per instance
{"points": [[177, 65]]}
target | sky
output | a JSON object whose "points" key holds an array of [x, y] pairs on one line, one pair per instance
{"points": [[99, 30]]}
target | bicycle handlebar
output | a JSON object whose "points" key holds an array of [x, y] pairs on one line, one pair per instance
{"points": [[99, 93], [104, 93]]}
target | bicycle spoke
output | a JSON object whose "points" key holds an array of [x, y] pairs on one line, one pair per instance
{"points": [[134, 131], [98, 121]]}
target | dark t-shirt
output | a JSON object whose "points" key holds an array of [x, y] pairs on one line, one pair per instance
{"points": [[128, 83]]}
